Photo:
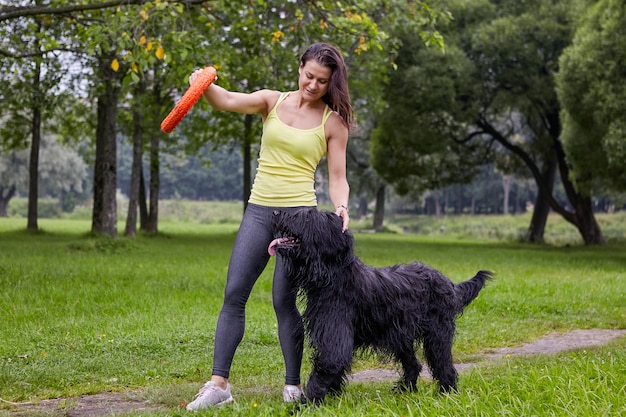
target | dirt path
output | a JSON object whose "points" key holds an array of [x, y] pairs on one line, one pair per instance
{"points": [[552, 343], [104, 404]]}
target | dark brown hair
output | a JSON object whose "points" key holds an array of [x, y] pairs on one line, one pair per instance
{"points": [[337, 97]]}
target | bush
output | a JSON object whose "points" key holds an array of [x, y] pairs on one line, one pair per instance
{"points": [[47, 208]]}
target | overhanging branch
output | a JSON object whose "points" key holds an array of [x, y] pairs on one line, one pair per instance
{"points": [[8, 13]]}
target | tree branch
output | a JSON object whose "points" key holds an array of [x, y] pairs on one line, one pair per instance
{"points": [[534, 169], [8, 13], [8, 54]]}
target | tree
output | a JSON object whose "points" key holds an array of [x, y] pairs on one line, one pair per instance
{"points": [[506, 99], [517, 54], [61, 168], [408, 146], [160, 62], [99, 44], [591, 90], [31, 93]]}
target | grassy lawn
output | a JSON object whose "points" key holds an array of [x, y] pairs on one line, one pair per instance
{"points": [[80, 315]]}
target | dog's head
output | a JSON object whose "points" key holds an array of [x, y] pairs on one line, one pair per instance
{"points": [[311, 235]]}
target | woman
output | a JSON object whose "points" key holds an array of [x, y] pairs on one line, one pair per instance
{"points": [[299, 128]]}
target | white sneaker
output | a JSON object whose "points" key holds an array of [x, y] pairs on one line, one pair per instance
{"points": [[210, 395], [293, 394]]}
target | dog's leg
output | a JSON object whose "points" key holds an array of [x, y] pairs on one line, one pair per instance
{"points": [[438, 352], [337, 385], [319, 385], [411, 367], [332, 340]]}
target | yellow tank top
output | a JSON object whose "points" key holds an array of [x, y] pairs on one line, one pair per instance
{"points": [[288, 158]]}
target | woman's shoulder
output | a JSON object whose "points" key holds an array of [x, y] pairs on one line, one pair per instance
{"points": [[336, 121], [269, 96], [267, 91], [266, 94], [335, 127]]}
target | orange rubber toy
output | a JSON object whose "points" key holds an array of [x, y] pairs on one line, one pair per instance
{"points": [[187, 101]]}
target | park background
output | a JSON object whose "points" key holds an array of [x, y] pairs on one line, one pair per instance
{"points": [[490, 136]]}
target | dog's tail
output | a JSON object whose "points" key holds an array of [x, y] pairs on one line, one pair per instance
{"points": [[468, 290]]}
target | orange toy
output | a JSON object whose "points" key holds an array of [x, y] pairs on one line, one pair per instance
{"points": [[187, 101]]}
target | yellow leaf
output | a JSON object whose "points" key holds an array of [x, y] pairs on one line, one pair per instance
{"points": [[149, 46], [142, 40], [134, 67], [277, 35], [143, 14], [160, 52], [115, 65]]}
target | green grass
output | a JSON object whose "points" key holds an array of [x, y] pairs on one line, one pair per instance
{"points": [[80, 315]]}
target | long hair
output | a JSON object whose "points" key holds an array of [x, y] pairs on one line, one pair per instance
{"points": [[338, 96]]}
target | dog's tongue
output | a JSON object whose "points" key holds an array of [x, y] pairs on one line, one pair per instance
{"points": [[271, 249]]}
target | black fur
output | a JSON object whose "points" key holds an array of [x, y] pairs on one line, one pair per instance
{"points": [[350, 305]]}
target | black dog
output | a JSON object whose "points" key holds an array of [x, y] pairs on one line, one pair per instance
{"points": [[350, 305]]}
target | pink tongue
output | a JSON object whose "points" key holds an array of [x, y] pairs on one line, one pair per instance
{"points": [[271, 249]]}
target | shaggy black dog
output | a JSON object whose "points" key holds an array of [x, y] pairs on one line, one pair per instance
{"points": [[350, 305]]}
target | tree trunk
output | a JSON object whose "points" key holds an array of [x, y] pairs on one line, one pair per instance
{"points": [[33, 171], [582, 217], [539, 220], [247, 160], [104, 219], [143, 206], [362, 210], [587, 224], [135, 176], [506, 185], [379, 212], [437, 204], [153, 214], [4, 200], [33, 164], [458, 208]]}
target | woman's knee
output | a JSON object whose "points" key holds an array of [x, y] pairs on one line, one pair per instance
{"points": [[285, 308], [236, 295]]}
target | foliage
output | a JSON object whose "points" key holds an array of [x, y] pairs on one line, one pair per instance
{"points": [[593, 97], [26, 55], [505, 80], [499, 98], [14, 170], [61, 168], [409, 146], [47, 208]]}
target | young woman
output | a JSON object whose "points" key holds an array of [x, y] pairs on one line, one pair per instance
{"points": [[299, 128]]}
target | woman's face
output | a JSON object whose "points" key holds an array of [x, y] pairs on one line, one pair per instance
{"points": [[314, 80]]}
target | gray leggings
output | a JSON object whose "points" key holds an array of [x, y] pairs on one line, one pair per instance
{"points": [[248, 260]]}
